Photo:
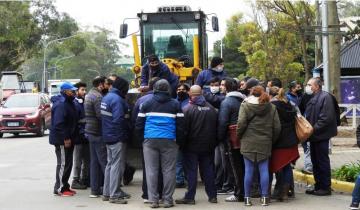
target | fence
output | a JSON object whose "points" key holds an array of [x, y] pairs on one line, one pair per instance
{"points": [[347, 109]]}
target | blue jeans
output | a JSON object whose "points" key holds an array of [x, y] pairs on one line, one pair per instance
{"points": [[180, 178], [264, 176], [356, 191]]}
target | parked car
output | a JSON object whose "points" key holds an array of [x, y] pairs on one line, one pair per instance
{"points": [[25, 113]]}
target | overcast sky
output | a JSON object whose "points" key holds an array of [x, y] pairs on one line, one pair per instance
{"points": [[110, 13]]}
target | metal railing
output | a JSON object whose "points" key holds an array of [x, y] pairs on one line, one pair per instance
{"points": [[350, 108]]}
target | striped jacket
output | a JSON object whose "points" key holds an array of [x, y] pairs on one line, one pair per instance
{"points": [[161, 117]]}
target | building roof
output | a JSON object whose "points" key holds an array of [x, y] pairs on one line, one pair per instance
{"points": [[350, 55]]}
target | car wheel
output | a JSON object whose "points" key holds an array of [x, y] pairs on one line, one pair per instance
{"points": [[1, 135], [41, 131], [16, 134]]}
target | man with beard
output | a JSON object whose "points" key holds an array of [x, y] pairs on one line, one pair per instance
{"points": [[155, 68]]}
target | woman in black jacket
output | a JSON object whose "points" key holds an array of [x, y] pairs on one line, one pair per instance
{"points": [[285, 150]]}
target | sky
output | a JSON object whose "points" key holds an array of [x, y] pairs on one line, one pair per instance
{"points": [[110, 13]]}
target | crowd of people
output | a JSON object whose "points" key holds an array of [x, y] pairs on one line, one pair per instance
{"points": [[237, 134]]}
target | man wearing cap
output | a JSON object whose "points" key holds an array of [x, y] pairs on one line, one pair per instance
{"points": [[160, 123], [64, 120], [155, 68], [216, 70]]}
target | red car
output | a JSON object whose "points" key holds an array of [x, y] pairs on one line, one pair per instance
{"points": [[25, 113]]}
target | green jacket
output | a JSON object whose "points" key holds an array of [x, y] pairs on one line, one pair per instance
{"points": [[258, 128]]}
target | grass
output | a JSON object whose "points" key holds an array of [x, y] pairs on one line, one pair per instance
{"points": [[347, 172]]}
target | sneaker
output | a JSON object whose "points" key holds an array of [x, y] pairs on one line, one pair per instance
{"points": [[73, 191], [125, 195], [225, 192], [154, 205], [66, 193], [354, 206], [232, 198], [185, 201], [168, 205], [212, 200], [117, 200], [247, 201], [146, 201], [77, 185], [306, 171], [105, 198], [265, 201], [94, 196]]}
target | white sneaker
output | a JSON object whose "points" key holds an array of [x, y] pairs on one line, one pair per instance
{"points": [[93, 196], [146, 201], [232, 198]]}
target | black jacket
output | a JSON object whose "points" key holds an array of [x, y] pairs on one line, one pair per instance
{"points": [[287, 114], [64, 119], [214, 99], [320, 112], [200, 124], [228, 113]]}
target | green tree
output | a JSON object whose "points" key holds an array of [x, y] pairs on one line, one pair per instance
{"points": [[19, 34], [349, 8], [235, 60]]}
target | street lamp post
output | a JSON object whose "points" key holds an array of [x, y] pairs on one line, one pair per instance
{"points": [[93, 70], [46, 44]]}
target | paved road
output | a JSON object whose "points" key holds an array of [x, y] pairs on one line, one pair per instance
{"points": [[27, 170]]}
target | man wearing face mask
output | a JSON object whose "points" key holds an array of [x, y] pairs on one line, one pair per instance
{"points": [[320, 113], [155, 68], [295, 93], [215, 96], [216, 70], [62, 135]]}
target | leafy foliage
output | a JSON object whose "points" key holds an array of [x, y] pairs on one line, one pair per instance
{"points": [[347, 172]]}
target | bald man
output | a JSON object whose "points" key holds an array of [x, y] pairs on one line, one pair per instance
{"points": [[199, 146]]}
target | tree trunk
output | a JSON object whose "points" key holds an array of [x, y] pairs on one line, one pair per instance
{"points": [[334, 49], [304, 55]]}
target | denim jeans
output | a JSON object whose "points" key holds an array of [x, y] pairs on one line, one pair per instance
{"points": [[356, 191], [264, 176]]}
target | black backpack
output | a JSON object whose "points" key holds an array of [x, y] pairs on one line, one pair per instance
{"points": [[337, 110]]}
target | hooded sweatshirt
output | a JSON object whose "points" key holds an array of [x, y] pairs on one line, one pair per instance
{"points": [[258, 127], [201, 125]]}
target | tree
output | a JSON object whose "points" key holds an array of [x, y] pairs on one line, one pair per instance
{"points": [[302, 16], [349, 8], [19, 34]]}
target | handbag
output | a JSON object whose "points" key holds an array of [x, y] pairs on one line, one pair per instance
{"points": [[234, 141], [303, 128]]}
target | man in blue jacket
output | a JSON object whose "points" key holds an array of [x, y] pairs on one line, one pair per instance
{"points": [[155, 68], [216, 70], [62, 135], [115, 132], [161, 123]]}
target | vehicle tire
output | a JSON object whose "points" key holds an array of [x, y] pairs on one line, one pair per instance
{"points": [[41, 131], [1, 135], [16, 134]]}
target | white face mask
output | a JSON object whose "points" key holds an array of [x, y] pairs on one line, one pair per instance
{"points": [[214, 89], [308, 90], [218, 69]]}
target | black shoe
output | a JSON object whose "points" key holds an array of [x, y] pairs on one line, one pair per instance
{"points": [[180, 185], [105, 198], [212, 200], [118, 200], [265, 201], [125, 195], [322, 192], [185, 201], [310, 191], [77, 185], [128, 175], [154, 205], [225, 191], [354, 206]]}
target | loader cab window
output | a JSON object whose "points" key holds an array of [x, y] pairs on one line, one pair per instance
{"points": [[171, 40]]}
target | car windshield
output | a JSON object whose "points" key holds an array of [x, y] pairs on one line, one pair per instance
{"points": [[22, 101]]}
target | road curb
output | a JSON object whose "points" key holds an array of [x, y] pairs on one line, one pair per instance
{"points": [[336, 185]]}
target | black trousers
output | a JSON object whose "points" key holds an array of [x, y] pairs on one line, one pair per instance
{"points": [[64, 158], [319, 152], [224, 176], [238, 167]]}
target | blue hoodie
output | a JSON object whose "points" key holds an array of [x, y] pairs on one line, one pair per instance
{"points": [[64, 119], [206, 75]]}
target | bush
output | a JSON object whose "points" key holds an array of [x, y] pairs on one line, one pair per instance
{"points": [[347, 172]]}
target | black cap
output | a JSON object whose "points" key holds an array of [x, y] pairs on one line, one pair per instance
{"points": [[252, 82], [153, 58], [216, 61], [162, 86]]}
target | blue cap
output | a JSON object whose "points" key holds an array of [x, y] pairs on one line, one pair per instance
{"points": [[67, 86]]}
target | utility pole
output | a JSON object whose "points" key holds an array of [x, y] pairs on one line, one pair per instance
{"points": [[334, 49], [317, 36], [325, 42]]}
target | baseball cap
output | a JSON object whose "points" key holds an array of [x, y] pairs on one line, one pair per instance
{"points": [[67, 86]]}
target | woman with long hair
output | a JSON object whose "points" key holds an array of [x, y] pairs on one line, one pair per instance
{"points": [[258, 128]]}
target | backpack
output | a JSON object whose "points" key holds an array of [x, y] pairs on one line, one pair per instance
{"points": [[337, 110]]}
